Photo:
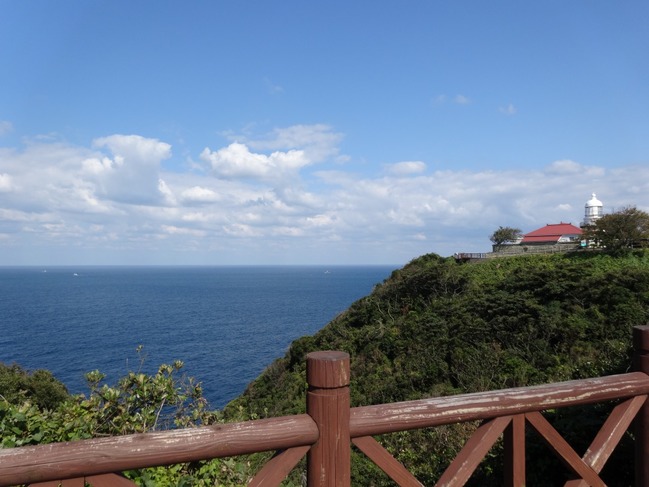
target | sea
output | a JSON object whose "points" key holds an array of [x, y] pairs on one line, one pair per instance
{"points": [[226, 323]]}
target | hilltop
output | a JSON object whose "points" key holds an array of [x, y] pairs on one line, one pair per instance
{"points": [[438, 327]]}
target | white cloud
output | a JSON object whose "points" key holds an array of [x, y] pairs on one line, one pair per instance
{"points": [[565, 166], [569, 167], [318, 142], [199, 194], [174, 230], [196, 216], [135, 148], [53, 194], [241, 230], [236, 161], [461, 100], [133, 173], [320, 220], [406, 168], [167, 193], [5, 183], [97, 165]]}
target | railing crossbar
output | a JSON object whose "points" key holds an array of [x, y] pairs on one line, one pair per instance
{"points": [[437, 411]]}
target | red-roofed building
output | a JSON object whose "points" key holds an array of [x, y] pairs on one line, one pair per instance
{"points": [[553, 233]]}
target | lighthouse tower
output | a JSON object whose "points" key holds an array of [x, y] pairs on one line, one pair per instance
{"points": [[594, 211]]}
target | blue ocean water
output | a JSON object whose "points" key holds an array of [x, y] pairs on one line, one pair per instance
{"points": [[225, 323]]}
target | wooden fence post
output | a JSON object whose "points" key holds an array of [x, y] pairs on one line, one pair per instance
{"points": [[328, 460], [641, 364]]}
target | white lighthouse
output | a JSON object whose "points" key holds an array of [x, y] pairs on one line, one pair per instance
{"points": [[594, 211]]}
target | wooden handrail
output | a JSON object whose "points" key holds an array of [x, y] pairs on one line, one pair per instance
{"points": [[436, 411], [324, 433], [57, 461], [103, 455]]}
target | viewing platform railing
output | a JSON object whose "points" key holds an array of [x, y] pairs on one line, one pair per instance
{"points": [[326, 432]]}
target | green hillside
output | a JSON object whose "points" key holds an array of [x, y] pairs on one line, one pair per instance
{"points": [[434, 328], [437, 327]]}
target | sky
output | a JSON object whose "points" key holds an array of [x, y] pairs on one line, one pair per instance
{"points": [[292, 132]]}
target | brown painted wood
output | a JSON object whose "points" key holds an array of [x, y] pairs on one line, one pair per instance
{"points": [[277, 468], [465, 463], [328, 460], [33, 464], [331, 424], [401, 416], [80, 482], [109, 480], [386, 462], [117, 453], [609, 436], [563, 450], [515, 452], [641, 425], [106, 480], [327, 369], [641, 338]]}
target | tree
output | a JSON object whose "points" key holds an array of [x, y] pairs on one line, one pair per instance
{"points": [[39, 386], [624, 229], [504, 235]]}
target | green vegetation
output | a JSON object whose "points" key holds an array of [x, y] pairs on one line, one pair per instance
{"points": [[435, 327], [32, 411], [504, 235], [40, 387], [620, 231]]}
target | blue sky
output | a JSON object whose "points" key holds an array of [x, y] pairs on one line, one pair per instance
{"points": [[299, 133]]}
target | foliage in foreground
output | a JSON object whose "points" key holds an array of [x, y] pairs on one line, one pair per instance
{"points": [[138, 403]]}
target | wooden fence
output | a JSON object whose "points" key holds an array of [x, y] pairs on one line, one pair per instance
{"points": [[330, 426]]}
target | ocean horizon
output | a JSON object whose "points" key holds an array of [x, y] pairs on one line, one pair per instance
{"points": [[226, 323]]}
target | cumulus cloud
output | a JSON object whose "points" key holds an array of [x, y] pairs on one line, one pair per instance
{"points": [[318, 142], [135, 148], [237, 161], [116, 196], [199, 194], [132, 175], [167, 193]]}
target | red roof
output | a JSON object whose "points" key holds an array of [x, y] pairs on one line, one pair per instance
{"points": [[552, 233]]}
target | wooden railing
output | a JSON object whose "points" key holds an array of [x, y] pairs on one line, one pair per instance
{"points": [[330, 426]]}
